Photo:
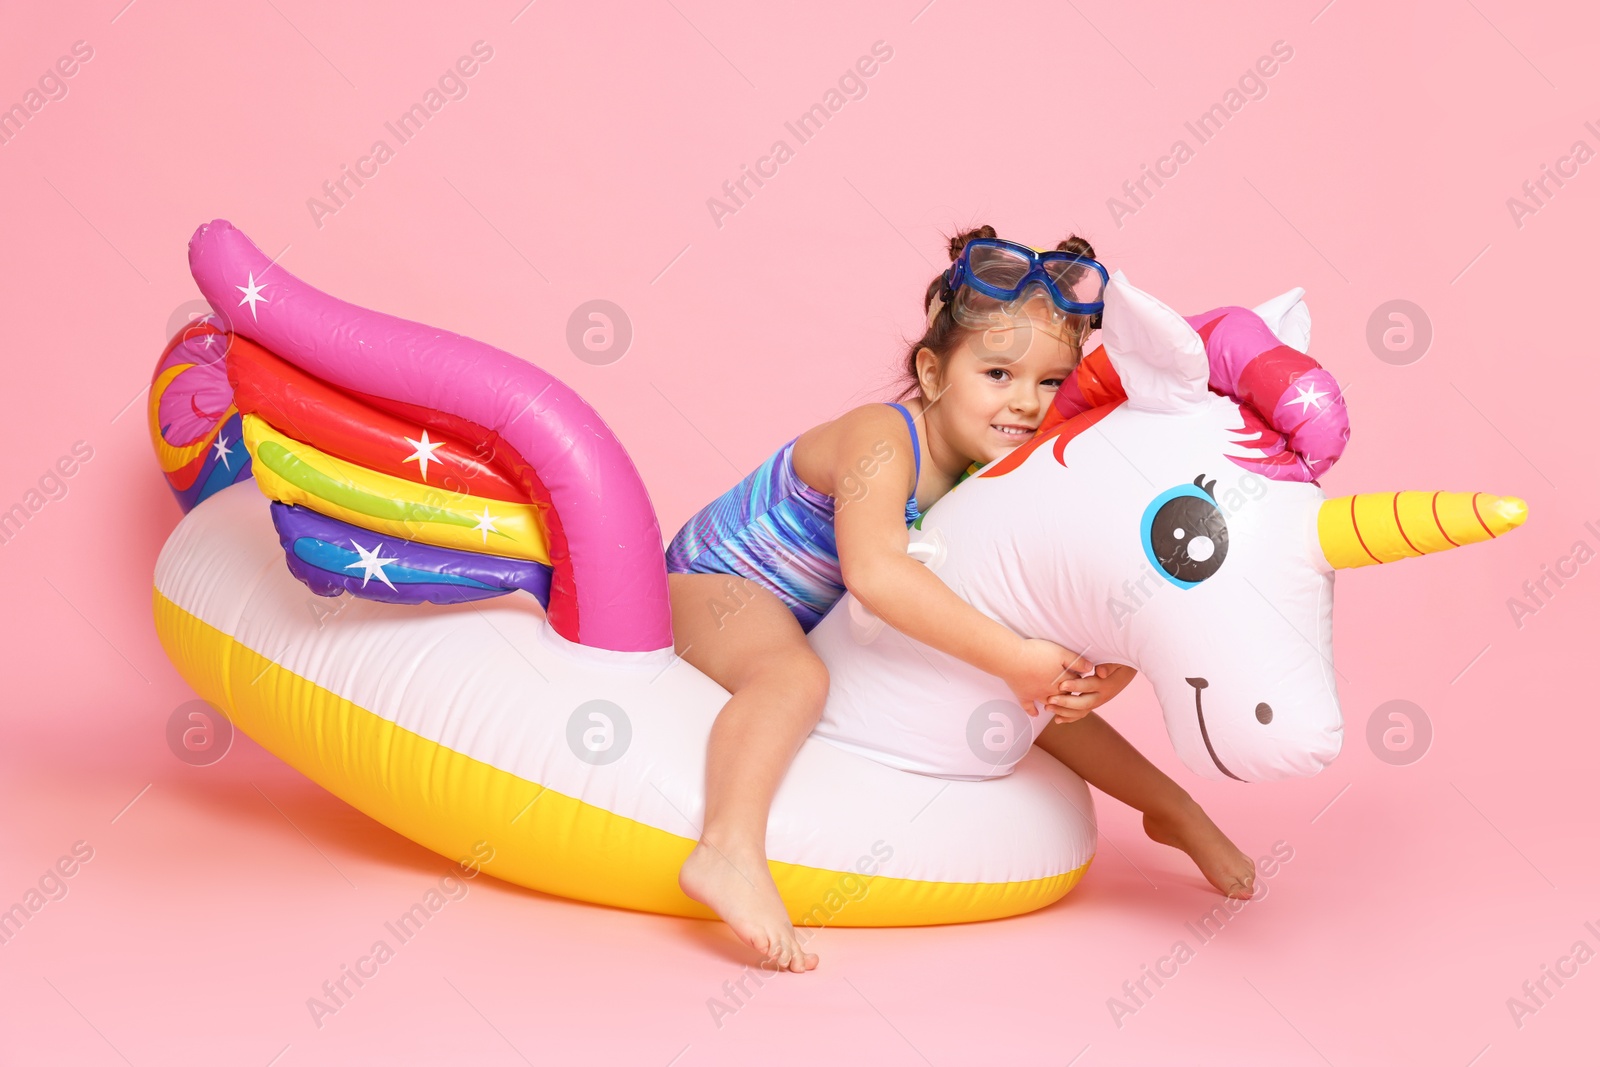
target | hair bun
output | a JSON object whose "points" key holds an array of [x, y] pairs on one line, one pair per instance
{"points": [[1077, 246], [959, 241]]}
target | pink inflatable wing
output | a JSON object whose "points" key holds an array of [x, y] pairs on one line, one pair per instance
{"points": [[1293, 411], [608, 587]]}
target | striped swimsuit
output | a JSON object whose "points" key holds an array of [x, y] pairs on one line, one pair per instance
{"points": [[777, 531]]}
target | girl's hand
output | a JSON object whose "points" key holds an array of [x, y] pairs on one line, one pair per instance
{"points": [[1080, 696], [1040, 670]]}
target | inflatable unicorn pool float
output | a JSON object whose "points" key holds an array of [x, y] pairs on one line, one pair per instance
{"points": [[556, 741]]}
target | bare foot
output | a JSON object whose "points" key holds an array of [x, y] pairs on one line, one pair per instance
{"points": [[738, 887], [1189, 828]]}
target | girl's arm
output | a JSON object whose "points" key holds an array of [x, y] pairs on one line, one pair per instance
{"points": [[870, 492]]}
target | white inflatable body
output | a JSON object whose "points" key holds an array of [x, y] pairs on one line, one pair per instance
{"points": [[450, 724]]}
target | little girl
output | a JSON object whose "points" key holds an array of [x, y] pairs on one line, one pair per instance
{"points": [[829, 511]]}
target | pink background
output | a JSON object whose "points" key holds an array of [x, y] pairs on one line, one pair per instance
{"points": [[1377, 167]]}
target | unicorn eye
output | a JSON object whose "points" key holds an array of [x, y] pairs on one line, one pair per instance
{"points": [[1184, 533]]}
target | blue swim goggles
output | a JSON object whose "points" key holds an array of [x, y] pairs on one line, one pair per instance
{"points": [[992, 275]]}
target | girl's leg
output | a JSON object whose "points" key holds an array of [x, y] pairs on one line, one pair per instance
{"points": [[1104, 758], [745, 639]]}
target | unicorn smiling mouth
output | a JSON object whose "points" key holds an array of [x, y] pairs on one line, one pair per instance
{"points": [[1199, 684]]}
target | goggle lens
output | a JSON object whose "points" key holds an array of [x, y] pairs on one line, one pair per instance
{"points": [[1077, 281], [1002, 268]]}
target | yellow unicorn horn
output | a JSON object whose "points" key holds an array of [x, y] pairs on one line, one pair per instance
{"points": [[1383, 527]]}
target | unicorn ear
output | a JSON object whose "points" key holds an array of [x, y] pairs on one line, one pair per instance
{"points": [[1288, 318], [1159, 357]]}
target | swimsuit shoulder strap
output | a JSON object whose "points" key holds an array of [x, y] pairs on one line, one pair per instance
{"points": [[916, 446]]}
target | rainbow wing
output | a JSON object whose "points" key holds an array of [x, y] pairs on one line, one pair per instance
{"points": [[368, 503]]}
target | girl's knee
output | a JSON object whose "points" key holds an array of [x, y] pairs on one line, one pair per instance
{"points": [[800, 676], [808, 676]]}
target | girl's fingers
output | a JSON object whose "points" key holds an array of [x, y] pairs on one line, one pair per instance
{"points": [[1079, 704]]}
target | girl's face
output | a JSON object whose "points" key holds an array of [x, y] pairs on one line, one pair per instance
{"points": [[999, 382]]}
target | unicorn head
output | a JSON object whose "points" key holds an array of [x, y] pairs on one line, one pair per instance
{"points": [[1143, 533]]}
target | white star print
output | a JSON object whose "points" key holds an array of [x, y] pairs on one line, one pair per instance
{"points": [[1307, 397], [425, 452], [252, 295], [486, 524], [223, 451], [372, 564]]}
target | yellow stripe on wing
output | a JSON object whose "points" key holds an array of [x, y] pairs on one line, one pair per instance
{"points": [[294, 472]]}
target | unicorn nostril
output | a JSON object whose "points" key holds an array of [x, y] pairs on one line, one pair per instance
{"points": [[1263, 713]]}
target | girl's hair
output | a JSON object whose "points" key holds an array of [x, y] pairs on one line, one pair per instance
{"points": [[943, 334]]}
